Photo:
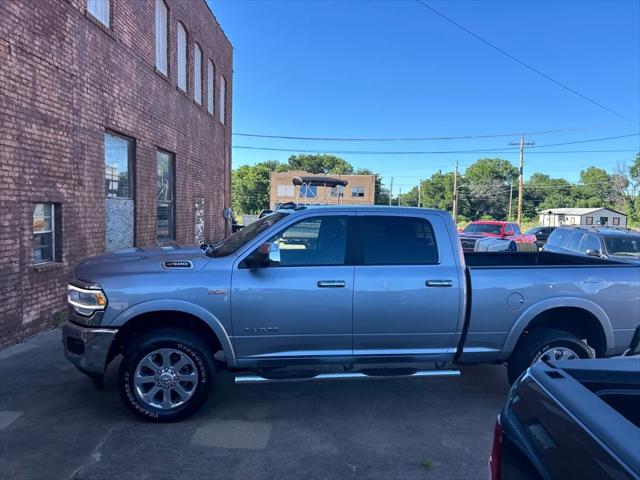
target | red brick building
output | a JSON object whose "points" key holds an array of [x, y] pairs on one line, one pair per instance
{"points": [[115, 131]]}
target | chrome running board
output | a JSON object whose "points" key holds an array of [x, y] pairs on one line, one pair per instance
{"points": [[253, 378]]}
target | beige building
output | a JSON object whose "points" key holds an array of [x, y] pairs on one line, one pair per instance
{"points": [[306, 188]]}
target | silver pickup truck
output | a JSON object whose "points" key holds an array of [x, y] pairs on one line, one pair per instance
{"points": [[336, 292]]}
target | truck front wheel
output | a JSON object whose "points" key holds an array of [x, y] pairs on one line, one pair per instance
{"points": [[166, 375], [544, 344]]}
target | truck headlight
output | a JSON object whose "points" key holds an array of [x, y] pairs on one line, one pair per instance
{"points": [[85, 301]]}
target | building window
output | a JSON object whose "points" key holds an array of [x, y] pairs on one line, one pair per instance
{"points": [[197, 74], [337, 191], [117, 158], [119, 203], [285, 191], [211, 75], [589, 220], [182, 58], [223, 94], [561, 218], [44, 233], [604, 220], [616, 220], [357, 191], [161, 36], [165, 204], [99, 9]]}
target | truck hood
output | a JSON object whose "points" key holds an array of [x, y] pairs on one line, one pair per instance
{"points": [[142, 260]]}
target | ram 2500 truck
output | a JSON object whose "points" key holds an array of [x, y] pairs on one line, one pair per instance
{"points": [[335, 292]]}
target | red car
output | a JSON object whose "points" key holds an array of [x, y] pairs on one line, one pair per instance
{"points": [[492, 228]]}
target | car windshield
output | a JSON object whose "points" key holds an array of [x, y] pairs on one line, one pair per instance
{"points": [[623, 246], [238, 239], [483, 228]]}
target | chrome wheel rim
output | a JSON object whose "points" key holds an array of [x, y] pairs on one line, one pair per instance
{"points": [[165, 378], [557, 353]]}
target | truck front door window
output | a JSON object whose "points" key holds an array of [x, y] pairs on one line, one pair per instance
{"points": [[313, 241]]}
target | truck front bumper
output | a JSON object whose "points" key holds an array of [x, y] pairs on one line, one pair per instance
{"points": [[88, 348]]}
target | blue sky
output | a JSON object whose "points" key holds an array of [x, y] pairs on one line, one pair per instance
{"points": [[395, 69]]}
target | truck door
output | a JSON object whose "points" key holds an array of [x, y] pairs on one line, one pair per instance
{"points": [[302, 307], [408, 299]]}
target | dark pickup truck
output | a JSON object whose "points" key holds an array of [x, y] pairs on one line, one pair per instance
{"points": [[578, 419]]}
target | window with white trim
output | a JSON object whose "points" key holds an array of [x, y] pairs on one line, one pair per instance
{"points": [[161, 36], [211, 75], [197, 74], [223, 94], [44, 233], [182, 58], [357, 191], [285, 191], [616, 220], [99, 9]]}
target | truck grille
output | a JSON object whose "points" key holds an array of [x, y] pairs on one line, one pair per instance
{"points": [[468, 244]]}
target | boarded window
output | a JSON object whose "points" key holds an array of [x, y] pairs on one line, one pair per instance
{"points": [[182, 58], [99, 9], [165, 195], [119, 203], [197, 74], [223, 94], [285, 191], [161, 36], [211, 75]]}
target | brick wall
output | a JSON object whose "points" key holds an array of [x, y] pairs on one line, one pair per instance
{"points": [[64, 80]]}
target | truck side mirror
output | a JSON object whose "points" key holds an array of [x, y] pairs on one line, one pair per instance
{"points": [[593, 252], [267, 254]]}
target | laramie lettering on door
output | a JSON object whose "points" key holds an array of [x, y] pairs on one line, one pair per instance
{"points": [[302, 307]]}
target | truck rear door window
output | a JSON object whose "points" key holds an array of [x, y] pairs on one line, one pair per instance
{"points": [[398, 240]]}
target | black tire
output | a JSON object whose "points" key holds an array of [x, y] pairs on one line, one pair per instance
{"points": [[185, 343], [531, 345]]}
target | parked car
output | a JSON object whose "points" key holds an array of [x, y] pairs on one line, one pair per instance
{"points": [[494, 229], [361, 290], [578, 419], [602, 242], [541, 234]]}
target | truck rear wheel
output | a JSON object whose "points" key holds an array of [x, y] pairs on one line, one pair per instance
{"points": [[544, 344], [166, 375]]}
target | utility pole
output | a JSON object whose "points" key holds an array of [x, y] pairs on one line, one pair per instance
{"points": [[522, 144], [455, 194], [399, 195], [391, 191], [419, 192], [510, 197]]}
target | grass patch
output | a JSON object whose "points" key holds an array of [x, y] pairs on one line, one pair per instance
{"points": [[426, 464]]}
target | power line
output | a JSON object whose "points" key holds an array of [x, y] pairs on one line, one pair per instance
{"points": [[402, 152], [410, 139], [526, 65]]}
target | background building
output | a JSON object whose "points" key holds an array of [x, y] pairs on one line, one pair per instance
{"points": [[360, 190], [115, 132], [582, 216]]}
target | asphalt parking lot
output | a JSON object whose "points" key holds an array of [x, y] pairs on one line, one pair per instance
{"points": [[55, 425]]}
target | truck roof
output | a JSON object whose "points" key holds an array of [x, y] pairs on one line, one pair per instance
{"points": [[364, 208]]}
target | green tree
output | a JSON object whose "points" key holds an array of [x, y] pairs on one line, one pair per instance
{"points": [[487, 188], [627, 184], [542, 191], [320, 163], [250, 186], [594, 189]]}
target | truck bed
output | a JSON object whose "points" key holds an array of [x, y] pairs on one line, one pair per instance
{"points": [[509, 290]]}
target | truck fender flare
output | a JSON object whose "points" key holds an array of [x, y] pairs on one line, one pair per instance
{"points": [[184, 307], [557, 302]]}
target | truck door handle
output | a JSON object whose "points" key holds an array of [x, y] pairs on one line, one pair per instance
{"points": [[439, 283], [332, 283]]}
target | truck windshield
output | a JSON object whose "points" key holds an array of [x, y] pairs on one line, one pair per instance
{"points": [[238, 239], [623, 246], [483, 228]]}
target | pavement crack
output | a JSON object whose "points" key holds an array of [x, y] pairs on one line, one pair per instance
{"points": [[94, 457]]}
